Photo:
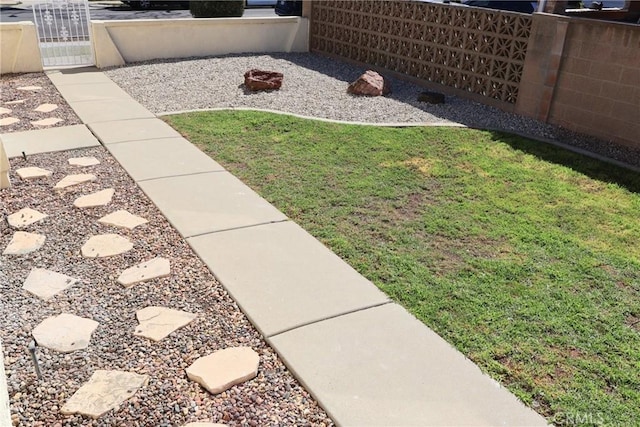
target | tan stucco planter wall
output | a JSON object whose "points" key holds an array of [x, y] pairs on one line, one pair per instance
{"points": [[19, 52], [120, 42]]}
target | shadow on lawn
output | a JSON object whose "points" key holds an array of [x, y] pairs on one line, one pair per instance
{"points": [[593, 168], [469, 113]]}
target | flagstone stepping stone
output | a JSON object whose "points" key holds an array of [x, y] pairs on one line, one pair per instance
{"points": [[46, 108], [70, 180], [152, 269], [6, 121], [157, 323], [23, 243], [46, 283], [223, 369], [123, 218], [25, 217], [30, 88], [100, 198], [83, 161], [47, 122], [4, 110], [104, 245], [33, 172], [104, 391], [18, 101], [65, 332]]}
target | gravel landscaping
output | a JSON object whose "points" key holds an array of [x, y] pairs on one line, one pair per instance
{"points": [[23, 103], [316, 86], [169, 399], [313, 86]]}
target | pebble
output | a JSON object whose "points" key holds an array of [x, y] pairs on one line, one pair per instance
{"points": [[169, 397], [315, 85]]}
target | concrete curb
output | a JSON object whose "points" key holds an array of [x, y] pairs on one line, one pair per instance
{"points": [[320, 119]]}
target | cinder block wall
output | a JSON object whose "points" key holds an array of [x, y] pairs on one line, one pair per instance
{"points": [[584, 75]]}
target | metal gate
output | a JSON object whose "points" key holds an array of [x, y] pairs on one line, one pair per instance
{"points": [[64, 32]]}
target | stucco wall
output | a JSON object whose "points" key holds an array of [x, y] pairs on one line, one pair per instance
{"points": [[584, 75], [119, 42], [19, 52]]}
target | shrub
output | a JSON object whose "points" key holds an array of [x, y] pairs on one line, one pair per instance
{"points": [[217, 9]]}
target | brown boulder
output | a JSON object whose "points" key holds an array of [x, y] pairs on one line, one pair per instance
{"points": [[370, 84], [262, 80]]}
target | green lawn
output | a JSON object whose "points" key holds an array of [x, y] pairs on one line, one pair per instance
{"points": [[524, 256]]}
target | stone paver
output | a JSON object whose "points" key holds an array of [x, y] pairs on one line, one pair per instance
{"points": [[123, 218], [64, 333], [223, 369], [157, 323], [104, 391], [4, 110], [132, 130], [47, 140], [92, 91], [30, 88], [293, 280], [6, 121], [47, 122], [99, 198], [77, 76], [148, 270], [46, 108], [45, 283], [105, 245], [25, 217], [33, 172], [23, 243], [383, 367], [70, 180], [157, 158], [84, 161], [104, 110], [207, 202]]}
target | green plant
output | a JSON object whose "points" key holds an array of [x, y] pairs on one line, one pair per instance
{"points": [[217, 9], [522, 255]]}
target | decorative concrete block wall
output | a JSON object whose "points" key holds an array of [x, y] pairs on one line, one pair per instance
{"points": [[584, 75], [581, 74], [472, 51]]}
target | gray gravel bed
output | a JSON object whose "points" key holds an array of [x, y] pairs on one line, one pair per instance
{"points": [[315, 85], [274, 397]]}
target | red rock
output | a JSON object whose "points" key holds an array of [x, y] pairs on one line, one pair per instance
{"points": [[370, 84], [256, 80]]}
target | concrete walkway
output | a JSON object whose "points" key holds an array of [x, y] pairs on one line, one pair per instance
{"points": [[365, 359]]}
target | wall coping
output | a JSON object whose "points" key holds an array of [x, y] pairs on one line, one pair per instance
{"points": [[199, 21]]}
